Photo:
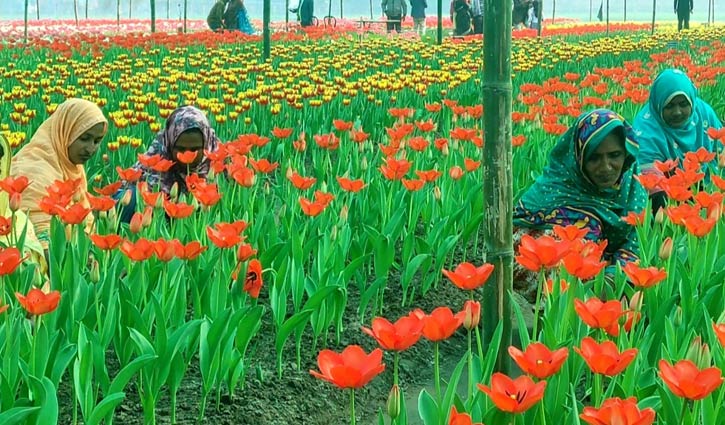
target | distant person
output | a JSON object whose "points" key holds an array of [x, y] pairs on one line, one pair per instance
{"points": [[307, 12], [477, 13], [417, 12], [683, 9], [215, 20], [236, 17], [462, 18], [395, 11], [520, 13]]}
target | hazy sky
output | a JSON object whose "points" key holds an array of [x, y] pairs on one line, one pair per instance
{"points": [[198, 9]]}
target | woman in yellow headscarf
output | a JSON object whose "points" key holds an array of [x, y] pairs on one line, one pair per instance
{"points": [[20, 224], [57, 151]]}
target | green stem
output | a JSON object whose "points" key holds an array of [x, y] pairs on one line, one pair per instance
{"points": [[682, 414], [437, 372], [543, 415], [470, 367], [352, 406], [202, 407], [597, 389], [542, 279], [172, 401], [396, 357]]}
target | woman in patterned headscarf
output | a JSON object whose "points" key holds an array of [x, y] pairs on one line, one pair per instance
{"points": [[672, 123], [187, 130], [589, 182], [57, 151]]}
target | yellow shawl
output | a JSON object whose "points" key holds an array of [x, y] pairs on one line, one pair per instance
{"points": [[31, 246], [45, 158]]}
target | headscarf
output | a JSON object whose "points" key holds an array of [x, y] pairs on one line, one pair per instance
{"points": [[182, 119], [45, 158], [657, 140], [20, 224], [564, 183]]}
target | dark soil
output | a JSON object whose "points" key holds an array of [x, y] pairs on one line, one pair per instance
{"points": [[297, 397]]}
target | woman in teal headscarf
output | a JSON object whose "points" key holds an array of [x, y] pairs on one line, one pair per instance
{"points": [[589, 182], [673, 123]]}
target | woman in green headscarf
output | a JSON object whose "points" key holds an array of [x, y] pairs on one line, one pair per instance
{"points": [[589, 182], [672, 123]]}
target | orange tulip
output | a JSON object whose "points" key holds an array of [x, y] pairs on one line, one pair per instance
{"points": [[352, 368], [166, 250], [699, 226], [130, 175], [634, 219], [281, 133], [190, 251], [6, 225], [395, 169], [570, 233], [187, 157], [140, 250], [471, 165], [615, 411], [351, 185], [341, 125], [155, 162], [207, 195], [10, 260], [685, 380], [37, 302], [644, 277], [102, 203], [13, 184], [584, 267], [543, 252], [455, 172], [311, 208], [467, 276], [600, 315], [223, 238], [538, 360], [605, 358], [301, 182], [440, 324], [263, 165], [75, 214], [106, 242], [253, 281], [463, 418], [398, 336], [245, 252], [513, 395], [178, 210]]}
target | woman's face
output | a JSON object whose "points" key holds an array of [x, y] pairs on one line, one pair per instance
{"points": [[190, 140], [85, 146], [677, 112], [604, 166]]}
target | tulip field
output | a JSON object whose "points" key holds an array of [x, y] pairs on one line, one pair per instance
{"points": [[331, 269]]}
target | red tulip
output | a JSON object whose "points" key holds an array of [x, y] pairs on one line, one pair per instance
{"points": [[685, 380], [352, 368], [538, 360], [544, 252], [605, 358], [462, 418], [399, 336], [513, 395], [106, 242], [600, 315], [37, 302], [469, 277], [644, 277], [253, 281], [10, 260], [440, 324], [615, 411], [140, 250]]}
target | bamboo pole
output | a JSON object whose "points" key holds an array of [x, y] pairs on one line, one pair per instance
{"points": [[186, 7], [26, 22], [497, 186], [37, 8], [75, 10], [540, 17], [130, 6], [286, 15], [118, 13], [590, 10], [371, 9], [153, 15], [440, 22], [168, 9], [86, 9], [625, 10], [553, 12], [266, 33], [654, 13], [341, 16], [607, 18]]}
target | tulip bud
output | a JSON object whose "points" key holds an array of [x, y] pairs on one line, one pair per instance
{"points": [[95, 272], [136, 223], [472, 314], [444, 150], [147, 217], [677, 320], [289, 172], [174, 192], [211, 174], [14, 203], [68, 231], [126, 198], [112, 215], [721, 160], [343, 213], [364, 163], [660, 216], [267, 188], [393, 405], [323, 186], [666, 249], [333, 233], [699, 353], [714, 212], [437, 193]]}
